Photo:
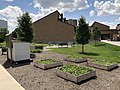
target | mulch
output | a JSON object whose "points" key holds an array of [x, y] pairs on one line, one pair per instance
{"points": [[32, 78]]}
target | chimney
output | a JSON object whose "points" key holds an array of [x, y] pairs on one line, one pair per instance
{"points": [[64, 19], [61, 16], [118, 27]]}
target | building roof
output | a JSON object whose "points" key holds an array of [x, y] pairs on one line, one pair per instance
{"points": [[100, 24], [113, 30], [118, 24], [3, 20], [51, 14], [48, 15], [110, 30]]}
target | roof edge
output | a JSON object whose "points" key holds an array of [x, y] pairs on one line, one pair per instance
{"points": [[46, 16]]}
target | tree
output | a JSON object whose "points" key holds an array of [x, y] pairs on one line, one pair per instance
{"points": [[96, 34], [3, 32], [82, 33], [15, 33], [25, 30]]}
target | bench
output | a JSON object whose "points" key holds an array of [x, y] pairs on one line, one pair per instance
{"points": [[39, 47], [61, 44]]}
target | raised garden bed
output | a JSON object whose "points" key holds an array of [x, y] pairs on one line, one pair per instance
{"points": [[47, 63], [75, 73], [102, 64], [76, 59]]}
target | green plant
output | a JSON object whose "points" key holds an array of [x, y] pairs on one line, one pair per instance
{"points": [[102, 62], [75, 69], [46, 61], [3, 44], [36, 51], [82, 33], [74, 57], [25, 30], [3, 32], [96, 34]]}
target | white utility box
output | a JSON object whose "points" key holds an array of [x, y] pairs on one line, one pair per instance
{"points": [[18, 51], [21, 51]]}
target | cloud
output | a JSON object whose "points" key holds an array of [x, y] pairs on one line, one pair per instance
{"points": [[118, 19], [9, 0], [10, 14], [35, 17], [92, 12], [97, 4], [48, 6], [30, 4], [61, 5], [111, 24], [117, 1], [107, 7]]}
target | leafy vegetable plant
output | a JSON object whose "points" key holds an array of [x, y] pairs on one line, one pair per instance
{"points": [[47, 61], [75, 69], [102, 62]]}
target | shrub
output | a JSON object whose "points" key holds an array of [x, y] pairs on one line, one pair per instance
{"points": [[1, 40], [36, 51]]}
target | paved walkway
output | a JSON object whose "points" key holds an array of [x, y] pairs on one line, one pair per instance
{"points": [[7, 82], [117, 43], [47, 48]]}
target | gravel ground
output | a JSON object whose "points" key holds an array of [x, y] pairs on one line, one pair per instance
{"points": [[32, 78]]}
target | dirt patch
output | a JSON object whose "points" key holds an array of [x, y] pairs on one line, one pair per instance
{"points": [[32, 78]]}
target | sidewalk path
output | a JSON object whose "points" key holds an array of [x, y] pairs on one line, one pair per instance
{"points": [[7, 82], [117, 43]]}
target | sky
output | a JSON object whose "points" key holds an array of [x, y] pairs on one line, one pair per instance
{"points": [[103, 11]]}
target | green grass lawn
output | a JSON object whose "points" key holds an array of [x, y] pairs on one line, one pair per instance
{"points": [[3, 44], [37, 44], [105, 51]]}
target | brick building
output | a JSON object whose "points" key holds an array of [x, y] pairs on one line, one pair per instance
{"points": [[106, 32], [53, 28]]}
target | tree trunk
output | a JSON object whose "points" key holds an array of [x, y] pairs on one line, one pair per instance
{"points": [[82, 48], [95, 42]]}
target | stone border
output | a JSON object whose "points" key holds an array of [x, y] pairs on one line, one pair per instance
{"points": [[48, 66], [91, 64], [74, 78], [78, 60]]}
